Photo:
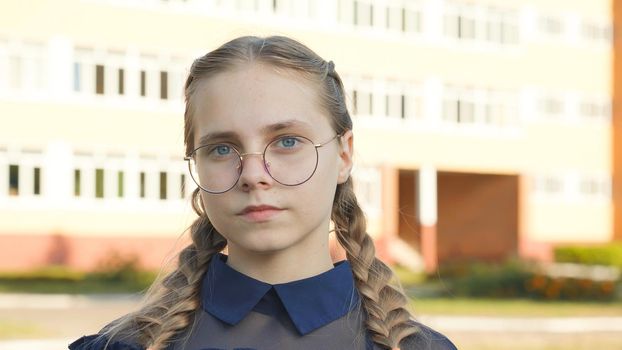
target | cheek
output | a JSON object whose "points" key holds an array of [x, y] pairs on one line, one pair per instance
{"points": [[319, 191], [213, 206]]}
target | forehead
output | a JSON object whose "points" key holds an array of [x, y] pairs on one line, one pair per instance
{"points": [[247, 99]]}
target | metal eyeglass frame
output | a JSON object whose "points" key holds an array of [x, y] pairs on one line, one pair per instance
{"points": [[263, 158]]}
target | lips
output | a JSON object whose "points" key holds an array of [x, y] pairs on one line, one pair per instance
{"points": [[259, 213]]}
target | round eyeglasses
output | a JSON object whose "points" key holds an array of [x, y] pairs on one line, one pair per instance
{"points": [[290, 160]]}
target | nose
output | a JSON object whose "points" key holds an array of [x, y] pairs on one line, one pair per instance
{"points": [[254, 173]]}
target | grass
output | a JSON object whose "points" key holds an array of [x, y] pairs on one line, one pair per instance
{"points": [[66, 287], [514, 307]]}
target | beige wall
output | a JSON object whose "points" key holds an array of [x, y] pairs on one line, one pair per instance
{"points": [[530, 146]]}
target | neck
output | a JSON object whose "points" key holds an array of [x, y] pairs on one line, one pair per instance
{"points": [[281, 266]]}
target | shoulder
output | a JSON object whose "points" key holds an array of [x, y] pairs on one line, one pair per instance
{"points": [[98, 342], [426, 338]]}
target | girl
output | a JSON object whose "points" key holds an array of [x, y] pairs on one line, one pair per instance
{"points": [[269, 143]]}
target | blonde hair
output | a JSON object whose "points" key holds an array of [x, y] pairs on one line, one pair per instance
{"points": [[172, 301]]}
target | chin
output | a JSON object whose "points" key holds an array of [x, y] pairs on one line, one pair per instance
{"points": [[265, 242], [266, 247]]}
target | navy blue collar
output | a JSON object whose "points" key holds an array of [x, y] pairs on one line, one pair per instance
{"points": [[310, 303]]}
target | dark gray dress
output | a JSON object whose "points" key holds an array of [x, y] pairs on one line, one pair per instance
{"points": [[242, 313]]}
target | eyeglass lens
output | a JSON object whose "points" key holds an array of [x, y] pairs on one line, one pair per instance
{"points": [[289, 160]]}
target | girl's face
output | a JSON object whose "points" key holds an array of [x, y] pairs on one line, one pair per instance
{"points": [[248, 107]]}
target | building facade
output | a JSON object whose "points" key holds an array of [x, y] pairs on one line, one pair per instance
{"points": [[483, 128]]}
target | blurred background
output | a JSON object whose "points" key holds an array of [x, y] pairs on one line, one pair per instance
{"points": [[488, 156]]}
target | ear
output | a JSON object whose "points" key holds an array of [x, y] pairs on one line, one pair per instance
{"points": [[346, 151]]}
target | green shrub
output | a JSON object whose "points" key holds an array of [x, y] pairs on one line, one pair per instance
{"points": [[408, 277], [505, 280], [125, 270], [115, 273], [560, 288], [608, 254], [516, 279], [48, 273]]}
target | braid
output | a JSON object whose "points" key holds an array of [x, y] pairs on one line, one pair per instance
{"points": [[387, 320], [172, 302]]}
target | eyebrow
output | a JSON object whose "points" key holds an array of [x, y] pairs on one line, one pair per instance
{"points": [[271, 128]]}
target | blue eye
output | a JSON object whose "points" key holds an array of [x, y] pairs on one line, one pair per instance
{"points": [[288, 142], [222, 150]]}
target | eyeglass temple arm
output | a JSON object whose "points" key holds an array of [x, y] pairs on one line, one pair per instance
{"points": [[331, 139]]}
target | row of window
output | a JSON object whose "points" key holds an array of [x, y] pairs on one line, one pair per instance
{"points": [[112, 183], [479, 106], [461, 20], [118, 74], [102, 183], [479, 23], [556, 27], [396, 16], [26, 67], [560, 107], [118, 182], [471, 105], [569, 185]]}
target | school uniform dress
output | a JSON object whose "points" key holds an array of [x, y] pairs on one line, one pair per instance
{"points": [[239, 312]]}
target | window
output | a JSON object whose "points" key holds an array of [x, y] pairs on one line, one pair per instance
{"points": [[459, 106], [411, 20], [551, 106], [595, 186], [99, 79], [13, 180], [363, 13], [362, 102], [76, 182], [164, 85], [481, 23], [596, 32], [121, 76], [394, 20], [182, 187], [501, 26], [37, 181], [393, 106], [550, 25], [450, 110], [15, 69], [99, 183], [466, 112], [84, 71], [552, 185], [143, 83], [477, 105], [162, 185], [120, 184], [411, 106], [548, 184], [466, 27], [597, 110], [77, 73], [142, 184], [26, 67]]}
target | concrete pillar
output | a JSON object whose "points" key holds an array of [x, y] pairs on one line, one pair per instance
{"points": [[427, 207], [390, 212]]}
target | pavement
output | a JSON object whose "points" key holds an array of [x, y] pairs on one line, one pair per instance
{"points": [[63, 318]]}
